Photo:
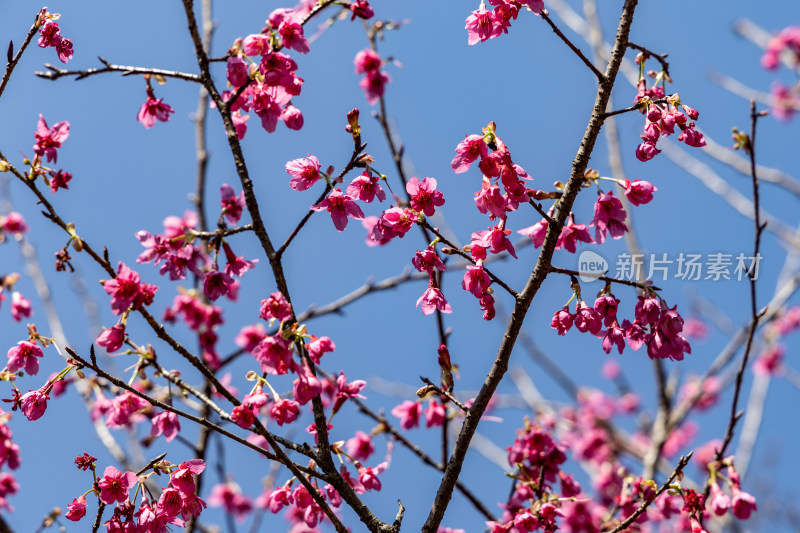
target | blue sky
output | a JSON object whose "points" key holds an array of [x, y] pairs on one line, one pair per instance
{"points": [[127, 179]]}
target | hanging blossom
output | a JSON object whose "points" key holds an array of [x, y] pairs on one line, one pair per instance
{"points": [[374, 82], [483, 25], [153, 109], [49, 139], [50, 36], [341, 207], [661, 119]]}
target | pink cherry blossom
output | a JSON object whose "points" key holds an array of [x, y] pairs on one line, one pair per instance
{"points": [[114, 485], [292, 34], [409, 414], [284, 411], [33, 404], [562, 321], [360, 447], [638, 192], [77, 509], [341, 207], [367, 61], [482, 26], [609, 217], [467, 152], [276, 307], [424, 196], [59, 180], [232, 205], [476, 280], [24, 355], [167, 424], [433, 299], [153, 109], [365, 188], [304, 172], [111, 338], [48, 139]]}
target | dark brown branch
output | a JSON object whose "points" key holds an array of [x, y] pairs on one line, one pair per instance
{"points": [[571, 45], [562, 209], [755, 314], [444, 393], [12, 61]]}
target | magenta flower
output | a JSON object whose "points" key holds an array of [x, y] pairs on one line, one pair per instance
{"points": [[571, 233], [64, 50], [467, 152], [495, 240], [646, 151], [126, 290], [292, 117], [638, 192], [59, 180], [33, 404], [285, 411], [167, 424], [112, 338], [292, 34], [607, 305], [609, 217], [490, 199], [77, 509], [341, 207], [216, 284], [360, 447], [304, 172], [232, 205], [374, 85], [319, 346], [482, 26], [424, 196], [24, 355], [276, 307], [256, 45], [306, 387], [365, 188], [409, 414], [237, 72], [49, 34], [274, 354], [435, 414], [13, 223], [614, 337], [476, 280], [742, 503], [114, 485], [692, 137], [433, 299], [427, 260], [361, 9], [153, 109], [562, 321], [48, 139], [537, 233], [587, 319], [236, 265], [123, 407], [182, 477], [367, 61]]}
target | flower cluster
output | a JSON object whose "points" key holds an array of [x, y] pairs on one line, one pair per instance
{"points": [[369, 63], [655, 325], [263, 78], [178, 501], [662, 118], [483, 25], [50, 35], [784, 46]]}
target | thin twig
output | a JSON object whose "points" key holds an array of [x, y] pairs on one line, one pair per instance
{"points": [[14, 60], [572, 47], [622, 526]]}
